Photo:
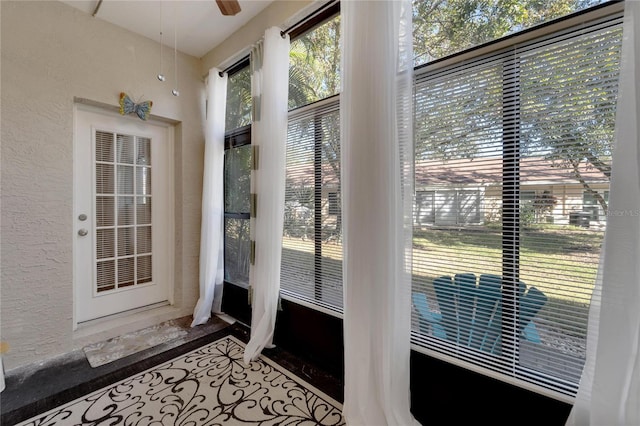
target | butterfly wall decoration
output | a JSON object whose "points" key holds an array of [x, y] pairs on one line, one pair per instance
{"points": [[127, 106]]}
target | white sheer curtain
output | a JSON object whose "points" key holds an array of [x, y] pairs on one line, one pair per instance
{"points": [[212, 225], [377, 150], [609, 392], [270, 86]]}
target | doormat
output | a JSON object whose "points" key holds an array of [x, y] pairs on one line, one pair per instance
{"points": [[119, 347], [208, 386]]}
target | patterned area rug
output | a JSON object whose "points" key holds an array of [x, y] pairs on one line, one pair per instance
{"points": [[209, 386]]}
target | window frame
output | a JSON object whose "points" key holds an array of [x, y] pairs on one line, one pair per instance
{"points": [[317, 110], [236, 138], [424, 343], [503, 50]]}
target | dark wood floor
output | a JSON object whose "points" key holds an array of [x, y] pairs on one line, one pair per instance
{"points": [[39, 390]]}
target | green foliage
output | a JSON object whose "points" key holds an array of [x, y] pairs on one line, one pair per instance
{"points": [[543, 204], [237, 251], [238, 100], [460, 115], [444, 27], [314, 65], [237, 174], [566, 97], [298, 209], [527, 214], [314, 74], [568, 105]]}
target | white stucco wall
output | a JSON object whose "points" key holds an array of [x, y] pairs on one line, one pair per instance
{"points": [[52, 53]]}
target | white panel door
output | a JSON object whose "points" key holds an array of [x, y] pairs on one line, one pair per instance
{"points": [[123, 212]]}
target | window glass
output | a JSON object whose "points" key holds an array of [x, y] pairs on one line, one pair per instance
{"points": [[237, 174], [424, 208], [314, 64], [334, 204], [595, 202], [239, 101], [312, 240], [513, 162], [237, 188], [237, 251], [442, 28], [237, 184], [567, 104]]}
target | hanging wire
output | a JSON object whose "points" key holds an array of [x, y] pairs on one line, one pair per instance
{"points": [[161, 75], [175, 91]]}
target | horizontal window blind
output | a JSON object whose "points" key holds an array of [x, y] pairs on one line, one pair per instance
{"points": [[123, 211], [312, 240], [512, 174]]}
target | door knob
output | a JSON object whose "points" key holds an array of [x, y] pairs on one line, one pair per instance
{"points": [[82, 232]]}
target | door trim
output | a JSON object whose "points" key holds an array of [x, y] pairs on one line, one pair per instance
{"points": [[170, 128]]}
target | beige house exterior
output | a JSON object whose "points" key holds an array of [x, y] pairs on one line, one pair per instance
{"points": [[469, 192]]}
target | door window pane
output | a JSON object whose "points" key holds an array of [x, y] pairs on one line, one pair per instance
{"points": [[124, 149], [104, 179], [126, 243], [143, 210], [104, 211], [126, 272], [125, 179], [143, 148], [144, 239], [144, 269], [125, 211], [105, 243], [105, 275], [104, 146], [118, 205], [143, 180]]}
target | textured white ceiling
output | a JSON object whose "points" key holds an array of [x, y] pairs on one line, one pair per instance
{"points": [[199, 24]]}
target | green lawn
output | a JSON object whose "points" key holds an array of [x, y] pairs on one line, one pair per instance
{"points": [[561, 261]]}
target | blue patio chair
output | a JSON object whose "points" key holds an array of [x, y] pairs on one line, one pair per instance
{"points": [[429, 321], [471, 311]]}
